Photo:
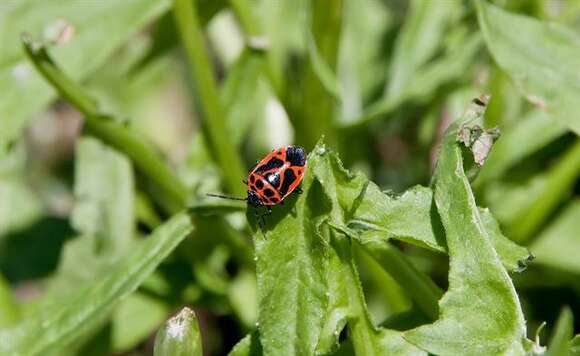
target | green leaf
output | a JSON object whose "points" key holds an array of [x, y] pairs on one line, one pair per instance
{"points": [[248, 346], [540, 57], [308, 288], [557, 246], [291, 264], [563, 331], [347, 306], [56, 326], [179, 336], [480, 313], [92, 42], [409, 217], [575, 345]]}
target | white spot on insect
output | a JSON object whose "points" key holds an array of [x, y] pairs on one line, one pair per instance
{"points": [[21, 71]]}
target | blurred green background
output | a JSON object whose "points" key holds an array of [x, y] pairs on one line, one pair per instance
{"points": [[380, 79]]}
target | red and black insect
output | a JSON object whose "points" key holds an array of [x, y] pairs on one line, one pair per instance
{"points": [[275, 177]]}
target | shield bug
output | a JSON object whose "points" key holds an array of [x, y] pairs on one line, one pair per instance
{"points": [[274, 177]]}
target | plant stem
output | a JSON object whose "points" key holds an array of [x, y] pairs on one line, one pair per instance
{"points": [[212, 118], [559, 182], [170, 192], [424, 292]]}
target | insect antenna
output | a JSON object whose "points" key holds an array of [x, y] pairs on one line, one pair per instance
{"points": [[225, 197]]}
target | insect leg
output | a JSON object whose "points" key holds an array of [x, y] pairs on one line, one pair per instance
{"points": [[297, 190]]}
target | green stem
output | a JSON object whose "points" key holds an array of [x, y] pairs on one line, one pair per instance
{"points": [[558, 183], [171, 193], [424, 292], [212, 118]]}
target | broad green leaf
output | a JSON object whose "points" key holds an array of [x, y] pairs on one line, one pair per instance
{"points": [[557, 246], [291, 265], [179, 336], [409, 217], [348, 195], [248, 346], [559, 344], [418, 40], [302, 297], [480, 313], [513, 256], [55, 327], [96, 29], [310, 274], [527, 136], [347, 306], [540, 57]]}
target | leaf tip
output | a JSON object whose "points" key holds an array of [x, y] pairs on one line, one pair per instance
{"points": [[320, 147], [523, 263]]}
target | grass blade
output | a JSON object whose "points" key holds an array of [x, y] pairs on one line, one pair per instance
{"points": [[56, 327], [212, 117]]}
